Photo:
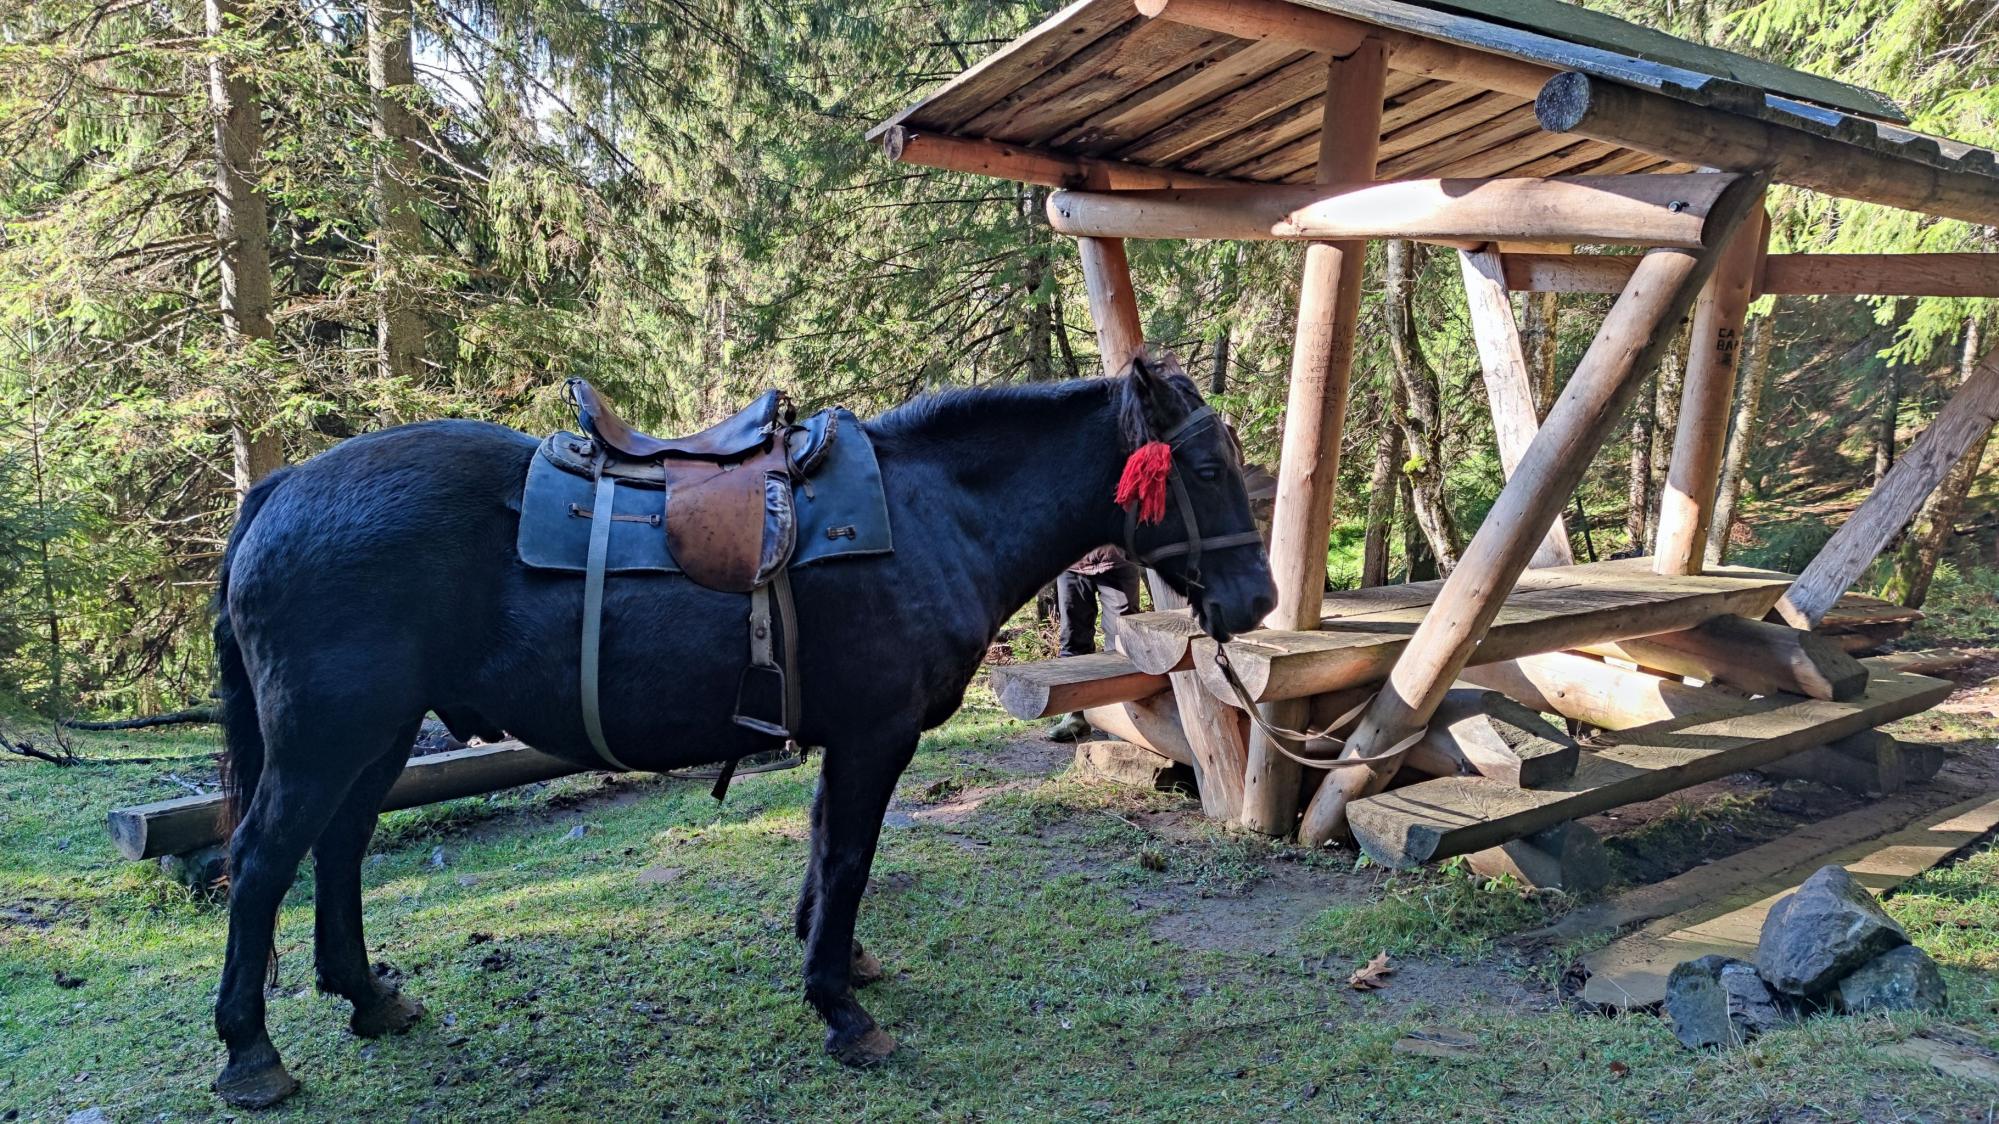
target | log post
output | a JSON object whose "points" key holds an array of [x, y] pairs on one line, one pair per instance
{"points": [[1706, 399], [1509, 387], [1639, 326], [1314, 414], [1214, 734]]}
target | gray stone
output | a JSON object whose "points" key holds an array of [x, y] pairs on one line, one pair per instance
{"points": [[87, 1116], [1720, 1001], [202, 870], [1900, 979], [1821, 933]]}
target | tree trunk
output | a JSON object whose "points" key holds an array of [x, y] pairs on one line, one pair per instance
{"points": [[1060, 325], [1744, 434], [1537, 346], [1884, 430], [1381, 489], [399, 323], [1423, 418], [1225, 294], [1418, 564], [1930, 532], [1638, 483], [1665, 430], [242, 235]]}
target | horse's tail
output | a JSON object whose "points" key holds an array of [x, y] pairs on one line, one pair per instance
{"points": [[242, 736]]}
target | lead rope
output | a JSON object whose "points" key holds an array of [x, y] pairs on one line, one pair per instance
{"points": [[1285, 738]]}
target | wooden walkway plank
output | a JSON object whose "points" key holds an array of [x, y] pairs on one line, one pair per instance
{"points": [[1456, 815]]}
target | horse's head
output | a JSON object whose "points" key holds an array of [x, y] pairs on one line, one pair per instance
{"points": [[1188, 513]]}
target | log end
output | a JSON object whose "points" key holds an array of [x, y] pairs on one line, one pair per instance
{"points": [[1563, 102], [895, 140], [1021, 696], [128, 832]]}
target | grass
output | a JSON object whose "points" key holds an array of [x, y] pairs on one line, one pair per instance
{"points": [[646, 970]]}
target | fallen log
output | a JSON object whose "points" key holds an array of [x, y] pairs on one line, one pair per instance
{"points": [[192, 715], [173, 827]]}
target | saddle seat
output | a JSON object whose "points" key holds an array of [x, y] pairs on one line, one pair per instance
{"points": [[745, 434]]}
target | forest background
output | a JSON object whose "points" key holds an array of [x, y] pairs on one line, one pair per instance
{"points": [[235, 232]]}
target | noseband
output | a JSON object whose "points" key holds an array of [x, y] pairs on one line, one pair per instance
{"points": [[1193, 544]]}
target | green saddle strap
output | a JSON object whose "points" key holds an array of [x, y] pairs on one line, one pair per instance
{"points": [[593, 615]]}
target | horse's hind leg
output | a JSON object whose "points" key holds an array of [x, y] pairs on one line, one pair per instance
{"points": [[855, 785], [340, 953], [286, 815]]}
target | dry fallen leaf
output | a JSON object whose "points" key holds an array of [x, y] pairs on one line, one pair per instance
{"points": [[1619, 1069], [1437, 1042], [1373, 974]]}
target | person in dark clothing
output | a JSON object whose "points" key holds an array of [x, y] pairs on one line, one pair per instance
{"points": [[1103, 575]]}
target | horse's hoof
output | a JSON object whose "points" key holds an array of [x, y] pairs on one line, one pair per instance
{"points": [[861, 1051], [257, 1084], [394, 1014], [865, 969]]}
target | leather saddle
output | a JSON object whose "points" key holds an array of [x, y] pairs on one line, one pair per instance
{"points": [[730, 514]]}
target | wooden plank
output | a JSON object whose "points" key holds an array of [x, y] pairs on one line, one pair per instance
{"points": [[1027, 165], [1675, 130], [1450, 122], [1092, 79], [1596, 693], [1308, 468], [1559, 608], [1047, 45], [1635, 210], [1509, 389], [1049, 687], [1962, 424], [1631, 972], [1174, 96], [1238, 109], [1511, 125], [1635, 333], [1763, 659], [176, 827], [1456, 815], [1707, 399], [1501, 159], [1885, 275]]}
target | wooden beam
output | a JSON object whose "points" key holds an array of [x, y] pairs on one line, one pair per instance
{"points": [[1508, 386], [1639, 210], [1963, 423], [1500, 739], [1047, 688], [1568, 607], [1869, 762], [1160, 642], [176, 827], [1023, 164], [1816, 275], [1594, 692], [1455, 815], [1150, 722], [1751, 655], [1336, 35], [1713, 137], [1214, 734], [1707, 398], [1635, 333], [1308, 468]]}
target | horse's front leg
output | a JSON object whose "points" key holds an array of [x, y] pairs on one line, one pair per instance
{"points": [[855, 784]]}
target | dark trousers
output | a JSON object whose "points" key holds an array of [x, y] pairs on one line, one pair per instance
{"points": [[1076, 597]]}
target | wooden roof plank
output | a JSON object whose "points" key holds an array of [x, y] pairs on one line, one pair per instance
{"points": [[1097, 76], [1174, 95], [1508, 126], [1268, 95], [1005, 70], [1501, 158], [1449, 123]]}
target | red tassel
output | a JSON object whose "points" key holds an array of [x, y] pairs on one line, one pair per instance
{"points": [[1144, 480]]}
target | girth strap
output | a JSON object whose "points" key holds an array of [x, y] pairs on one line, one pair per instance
{"points": [[593, 616]]}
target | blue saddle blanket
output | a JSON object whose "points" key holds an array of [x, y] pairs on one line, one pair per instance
{"points": [[841, 511]]}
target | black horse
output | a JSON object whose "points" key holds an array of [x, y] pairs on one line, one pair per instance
{"points": [[381, 580]]}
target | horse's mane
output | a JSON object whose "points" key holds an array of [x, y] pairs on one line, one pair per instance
{"points": [[965, 409]]}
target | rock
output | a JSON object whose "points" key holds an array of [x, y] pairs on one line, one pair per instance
{"points": [[87, 1116], [1901, 979], [1808, 798], [437, 858], [1567, 857], [577, 832], [1821, 933], [1720, 1001], [201, 870], [1129, 763]]}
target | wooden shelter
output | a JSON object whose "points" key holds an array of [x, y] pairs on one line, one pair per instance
{"points": [[1502, 128]]}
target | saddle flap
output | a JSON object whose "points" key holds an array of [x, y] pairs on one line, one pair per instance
{"points": [[731, 528]]}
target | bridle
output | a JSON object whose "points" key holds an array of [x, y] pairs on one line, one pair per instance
{"points": [[1295, 744], [1194, 544]]}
